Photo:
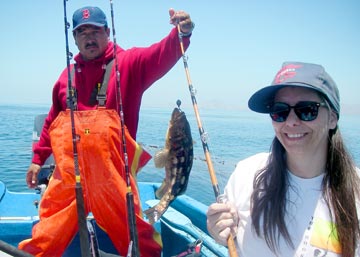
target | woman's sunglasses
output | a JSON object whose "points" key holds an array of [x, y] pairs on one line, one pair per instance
{"points": [[305, 110]]}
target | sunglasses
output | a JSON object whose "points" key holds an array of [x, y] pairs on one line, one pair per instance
{"points": [[305, 110]]}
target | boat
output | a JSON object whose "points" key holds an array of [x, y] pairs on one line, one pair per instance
{"points": [[181, 226]]}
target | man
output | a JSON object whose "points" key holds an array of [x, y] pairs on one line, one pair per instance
{"points": [[101, 162]]}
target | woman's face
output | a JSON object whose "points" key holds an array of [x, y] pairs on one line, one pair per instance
{"points": [[303, 137]]}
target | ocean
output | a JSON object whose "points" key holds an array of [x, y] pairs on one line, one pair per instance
{"points": [[231, 136]]}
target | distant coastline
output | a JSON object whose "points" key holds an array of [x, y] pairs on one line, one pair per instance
{"points": [[346, 109]]}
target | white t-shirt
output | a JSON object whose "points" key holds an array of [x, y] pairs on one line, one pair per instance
{"points": [[307, 218]]}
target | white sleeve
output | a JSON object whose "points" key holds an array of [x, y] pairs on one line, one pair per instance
{"points": [[240, 184]]}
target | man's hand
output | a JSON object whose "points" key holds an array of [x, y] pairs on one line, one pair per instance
{"points": [[183, 19], [32, 175]]}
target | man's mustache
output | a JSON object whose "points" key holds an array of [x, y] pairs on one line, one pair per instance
{"points": [[91, 44]]}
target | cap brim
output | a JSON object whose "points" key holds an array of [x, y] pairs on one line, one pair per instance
{"points": [[261, 100], [89, 23]]}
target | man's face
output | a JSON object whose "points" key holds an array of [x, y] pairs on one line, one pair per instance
{"points": [[91, 41]]}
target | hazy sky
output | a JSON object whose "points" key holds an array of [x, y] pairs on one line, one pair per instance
{"points": [[236, 48]]}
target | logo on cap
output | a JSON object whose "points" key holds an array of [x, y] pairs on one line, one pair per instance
{"points": [[286, 72], [86, 14]]}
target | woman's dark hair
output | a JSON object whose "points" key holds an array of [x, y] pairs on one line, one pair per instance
{"points": [[340, 189]]}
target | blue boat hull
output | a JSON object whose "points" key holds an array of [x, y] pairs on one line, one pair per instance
{"points": [[182, 224]]}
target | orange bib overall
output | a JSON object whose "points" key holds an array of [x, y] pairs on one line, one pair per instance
{"points": [[102, 173]]}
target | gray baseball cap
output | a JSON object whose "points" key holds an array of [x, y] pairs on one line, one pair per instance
{"points": [[297, 74]]}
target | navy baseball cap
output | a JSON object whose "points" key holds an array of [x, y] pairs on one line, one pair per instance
{"points": [[89, 15], [297, 74]]}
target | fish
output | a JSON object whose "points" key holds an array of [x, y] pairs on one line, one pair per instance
{"points": [[177, 159]]}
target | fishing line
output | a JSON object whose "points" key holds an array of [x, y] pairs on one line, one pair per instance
{"points": [[134, 244], [71, 102], [217, 160], [204, 138]]}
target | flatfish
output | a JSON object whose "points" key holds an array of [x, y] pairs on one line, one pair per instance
{"points": [[177, 158]]}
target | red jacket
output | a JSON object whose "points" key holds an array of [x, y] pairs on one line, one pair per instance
{"points": [[139, 68]]}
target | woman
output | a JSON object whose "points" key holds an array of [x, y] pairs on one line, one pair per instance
{"points": [[301, 199]]}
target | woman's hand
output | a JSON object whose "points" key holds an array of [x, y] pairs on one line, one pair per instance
{"points": [[222, 219]]}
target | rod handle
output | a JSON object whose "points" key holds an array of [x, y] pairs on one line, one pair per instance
{"points": [[231, 246]]}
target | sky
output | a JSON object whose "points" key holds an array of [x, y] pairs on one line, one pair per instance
{"points": [[236, 48]]}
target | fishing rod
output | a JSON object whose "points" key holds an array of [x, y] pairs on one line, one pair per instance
{"points": [[12, 250], [71, 101], [134, 244], [203, 137]]}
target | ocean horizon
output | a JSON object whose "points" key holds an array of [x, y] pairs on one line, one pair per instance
{"points": [[232, 135]]}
